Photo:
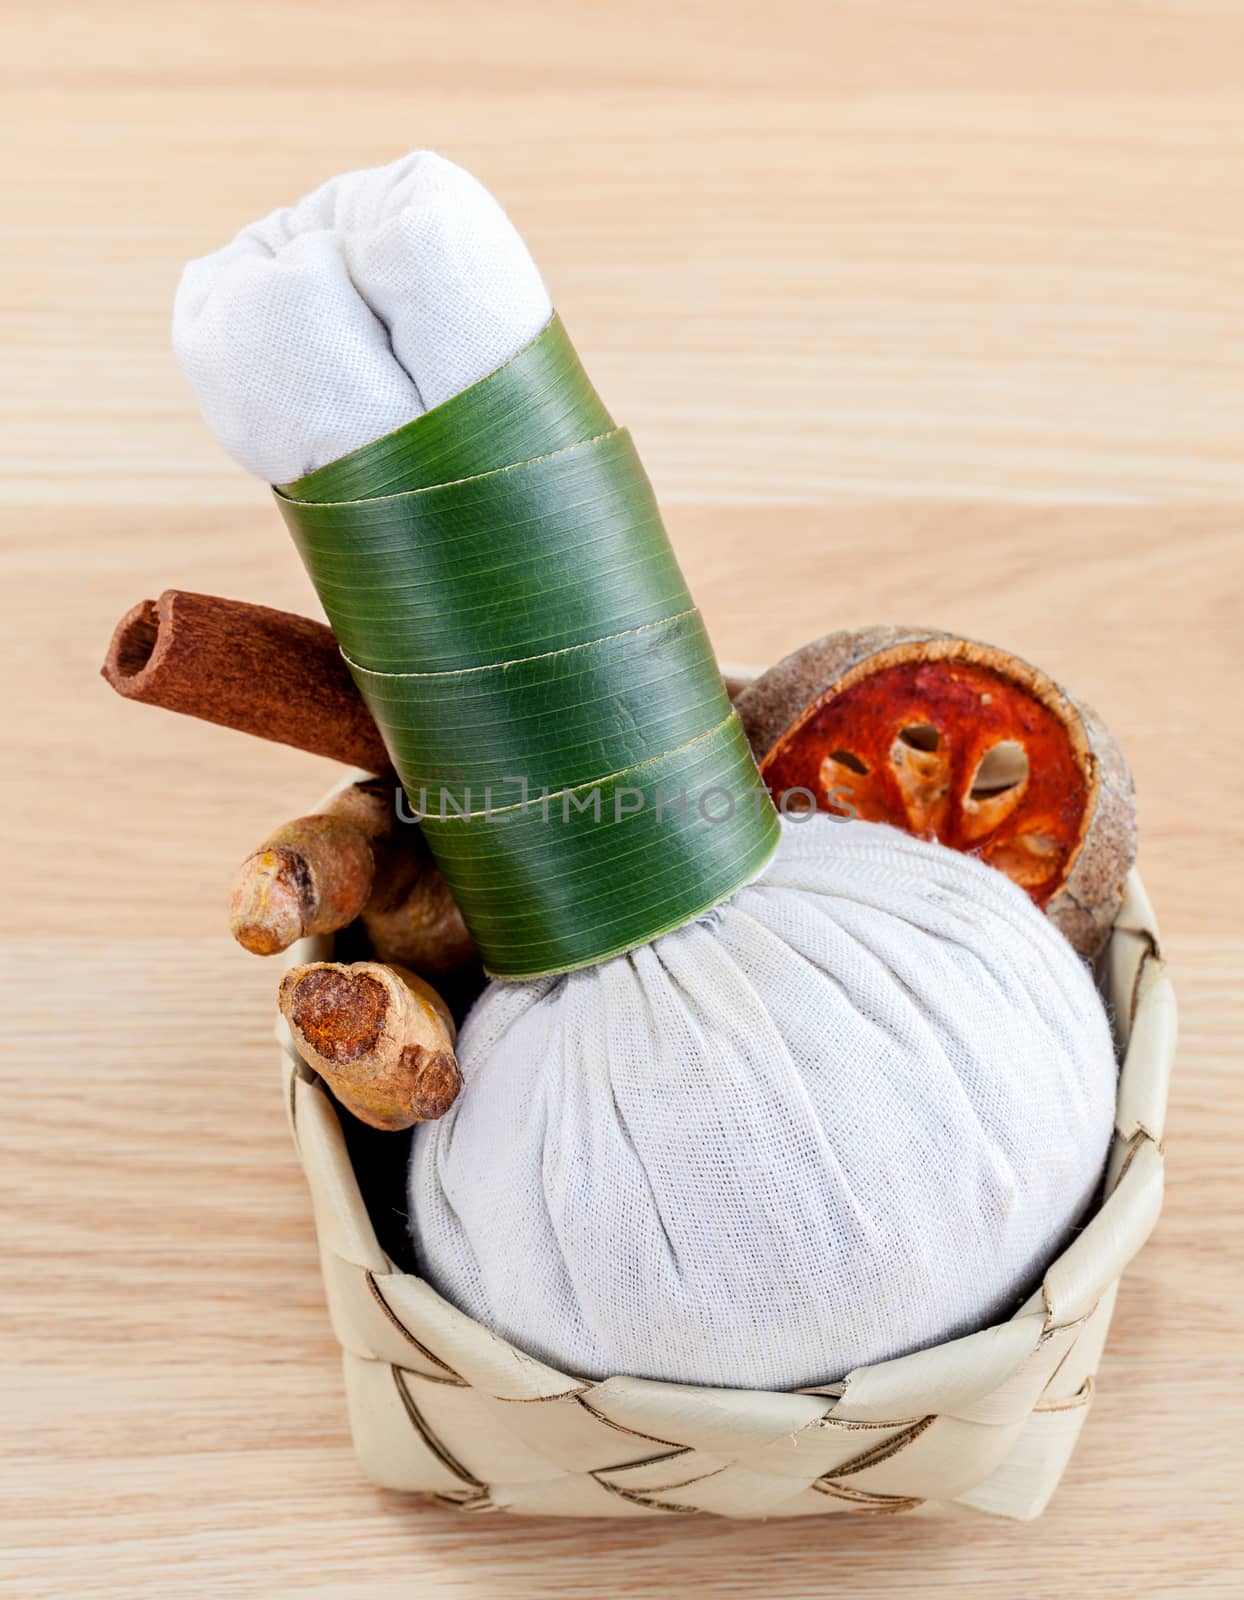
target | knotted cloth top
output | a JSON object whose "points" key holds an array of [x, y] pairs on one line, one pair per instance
{"points": [[508, 601]]}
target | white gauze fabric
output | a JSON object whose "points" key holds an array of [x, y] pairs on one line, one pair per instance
{"points": [[851, 1112], [337, 320]]}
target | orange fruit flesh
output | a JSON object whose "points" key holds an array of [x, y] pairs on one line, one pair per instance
{"points": [[945, 750]]}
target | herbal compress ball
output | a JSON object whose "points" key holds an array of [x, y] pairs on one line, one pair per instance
{"points": [[852, 1109]]}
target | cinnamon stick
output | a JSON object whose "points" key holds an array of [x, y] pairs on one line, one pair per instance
{"points": [[264, 672], [381, 1038], [269, 673]]}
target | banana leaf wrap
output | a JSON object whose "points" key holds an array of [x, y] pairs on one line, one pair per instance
{"points": [[505, 594]]}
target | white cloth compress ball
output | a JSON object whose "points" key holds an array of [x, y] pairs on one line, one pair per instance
{"points": [[853, 1111]]}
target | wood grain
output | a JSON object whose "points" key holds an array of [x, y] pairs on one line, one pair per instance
{"points": [[921, 312]]}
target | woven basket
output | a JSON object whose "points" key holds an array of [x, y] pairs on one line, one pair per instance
{"points": [[984, 1424]]}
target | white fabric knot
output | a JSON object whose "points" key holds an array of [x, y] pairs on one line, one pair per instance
{"points": [[334, 321]]}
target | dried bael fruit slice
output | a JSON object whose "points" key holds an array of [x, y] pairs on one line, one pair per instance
{"points": [[960, 742]]}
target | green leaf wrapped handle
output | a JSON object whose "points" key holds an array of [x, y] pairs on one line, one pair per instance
{"points": [[507, 599]]}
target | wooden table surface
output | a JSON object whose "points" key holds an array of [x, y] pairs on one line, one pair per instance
{"points": [[921, 310]]}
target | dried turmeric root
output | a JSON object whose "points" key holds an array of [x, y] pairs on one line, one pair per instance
{"points": [[354, 860], [312, 875], [381, 1038]]}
